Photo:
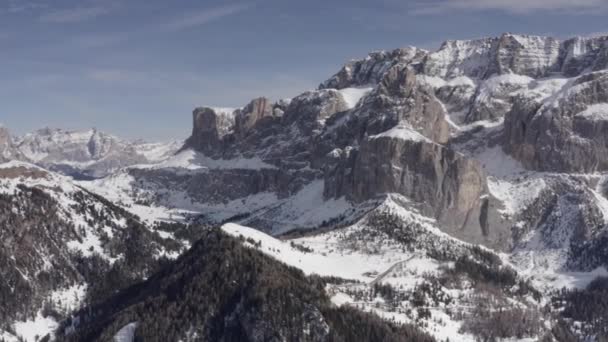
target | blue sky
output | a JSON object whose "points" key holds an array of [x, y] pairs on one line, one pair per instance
{"points": [[137, 68]]}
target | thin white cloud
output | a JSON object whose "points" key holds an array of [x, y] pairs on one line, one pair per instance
{"points": [[117, 75], [204, 17], [98, 40], [18, 6], [199, 18], [74, 15], [512, 6]]}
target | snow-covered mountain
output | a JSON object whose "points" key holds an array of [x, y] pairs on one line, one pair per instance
{"points": [[446, 129], [457, 190], [89, 153]]}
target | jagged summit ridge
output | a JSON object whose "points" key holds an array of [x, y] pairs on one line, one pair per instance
{"points": [[533, 56]]}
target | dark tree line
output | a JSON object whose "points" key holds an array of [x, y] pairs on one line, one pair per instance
{"points": [[588, 306]]}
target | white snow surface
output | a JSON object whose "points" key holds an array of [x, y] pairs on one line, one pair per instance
{"points": [[126, 333], [332, 256], [516, 196], [306, 209], [596, 112], [403, 131], [36, 328], [157, 152], [192, 160], [501, 85], [348, 265], [352, 95], [7, 337], [438, 82], [383, 261], [602, 203], [225, 110], [565, 90], [69, 299]]}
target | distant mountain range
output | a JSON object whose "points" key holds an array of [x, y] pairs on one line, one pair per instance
{"points": [[84, 154]]}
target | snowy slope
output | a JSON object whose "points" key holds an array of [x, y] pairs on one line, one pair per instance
{"points": [[352, 96], [126, 333], [367, 261], [78, 226]]}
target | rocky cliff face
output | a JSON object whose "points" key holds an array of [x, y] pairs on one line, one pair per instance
{"points": [[580, 54], [565, 132], [209, 126], [256, 111], [449, 186]]}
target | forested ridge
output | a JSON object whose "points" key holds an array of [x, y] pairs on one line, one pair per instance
{"points": [[222, 291]]}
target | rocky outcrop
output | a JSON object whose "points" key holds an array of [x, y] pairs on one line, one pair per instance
{"points": [[495, 96], [224, 133], [399, 97], [311, 109], [209, 127], [580, 54], [371, 70], [531, 56], [248, 117], [566, 133], [342, 145]]}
